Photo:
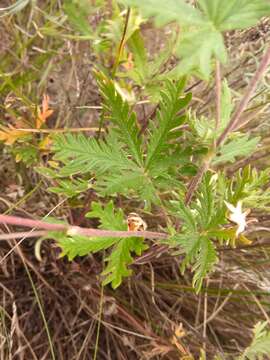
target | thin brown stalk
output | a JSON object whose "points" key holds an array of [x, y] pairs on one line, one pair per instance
{"points": [[77, 230], [72, 130], [218, 95], [234, 122], [192, 187]]}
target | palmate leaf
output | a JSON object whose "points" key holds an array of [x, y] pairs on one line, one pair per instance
{"points": [[119, 113], [189, 242], [121, 182], [202, 26], [131, 183], [167, 119]]}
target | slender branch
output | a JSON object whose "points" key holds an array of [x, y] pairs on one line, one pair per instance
{"points": [[192, 187], [23, 234], [77, 230], [122, 44], [218, 95], [49, 131], [233, 124], [154, 252]]}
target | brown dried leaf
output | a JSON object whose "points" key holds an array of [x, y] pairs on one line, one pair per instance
{"points": [[44, 113]]}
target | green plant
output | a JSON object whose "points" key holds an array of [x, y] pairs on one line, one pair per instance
{"points": [[153, 167], [260, 345], [174, 164]]}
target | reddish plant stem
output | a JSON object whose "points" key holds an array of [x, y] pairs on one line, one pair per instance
{"points": [[218, 95], [154, 252], [77, 230], [192, 187], [233, 124], [23, 234]]}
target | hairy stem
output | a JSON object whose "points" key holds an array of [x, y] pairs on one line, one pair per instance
{"points": [[77, 230]]}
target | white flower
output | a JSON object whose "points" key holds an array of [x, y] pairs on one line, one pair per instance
{"points": [[237, 216]]}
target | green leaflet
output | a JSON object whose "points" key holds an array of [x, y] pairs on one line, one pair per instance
{"points": [[205, 203], [120, 257], [146, 70], [183, 212], [130, 182], [70, 188], [108, 216], [204, 127], [77, 13], [205, 261], [81, 154], [168, 118], [226, 107], [120, 115], [234, 14], [119, 260], [260, 346], [241, 146], [197, 48], [250, 185], [137, 47], [199, 251], [173, 10], [82, 245]]}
